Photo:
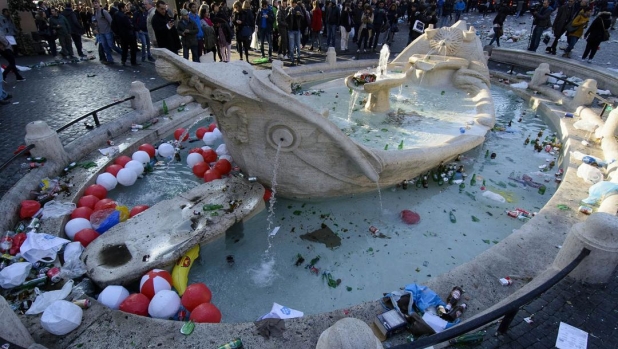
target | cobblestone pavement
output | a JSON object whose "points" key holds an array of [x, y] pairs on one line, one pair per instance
{"points": [[59, 94]]}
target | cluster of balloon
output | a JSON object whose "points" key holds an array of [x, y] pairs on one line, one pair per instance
{"points": [[206, 162], [95, 213]]}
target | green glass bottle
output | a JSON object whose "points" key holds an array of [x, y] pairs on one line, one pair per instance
{"points": [[473, 180], [487, 153], [441, 180], [542, 189], [527, 141], [400, 146], [38, 159], [418, 182], [165, 110]]}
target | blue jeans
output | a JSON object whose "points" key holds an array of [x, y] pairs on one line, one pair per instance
{"points": [[145, 41], [265, 34], [193, 50], [332, 32], [294, 40], [107, 41], [3, 94], [537, 32], [571, 40]]}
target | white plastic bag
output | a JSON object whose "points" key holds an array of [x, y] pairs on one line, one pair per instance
{"points": [[45, 299], [589, 173], [73, 266], [14, 275], [61, 317], [494, 196], [57, 209], [41, 246], [279, 311]]}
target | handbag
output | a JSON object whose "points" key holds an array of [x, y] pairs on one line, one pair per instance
{"points": [[570, 28], [245, 32], [606, 35]]}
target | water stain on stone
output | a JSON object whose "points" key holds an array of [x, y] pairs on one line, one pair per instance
{"points": [[324, 236]]}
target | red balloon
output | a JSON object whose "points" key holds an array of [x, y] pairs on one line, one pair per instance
{"points": [[82, 212], [105, 204], [267, 194], [206, 313], [200, 168], [96, 190], [199, 133], [113, 169], [209, 156], [86, 236], [29, 208], [148, 148], [211, 175], [136, 304], [223, 166], [138, 209], [122, 160], [410, 217], [211, 127], [179, 133], [196, 294], [88, 201], [196, 150]]}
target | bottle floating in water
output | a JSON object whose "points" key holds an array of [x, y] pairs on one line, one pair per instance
{"points": [[165, 110], [487, 153], [400, 146], [527, 141], [235, 344], [452, 217], [473, 180], [542, 189]]}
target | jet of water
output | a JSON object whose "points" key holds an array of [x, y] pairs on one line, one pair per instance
{"points": [[385, 54], [353, 100]]}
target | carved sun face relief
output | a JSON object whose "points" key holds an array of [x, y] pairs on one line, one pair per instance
{"points": [[447, 41]]}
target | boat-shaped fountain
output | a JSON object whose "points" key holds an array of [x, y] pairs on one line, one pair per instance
{"points": [[259, 118]]}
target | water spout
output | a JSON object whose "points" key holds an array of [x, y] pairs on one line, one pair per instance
{"points": [[385, 54]]}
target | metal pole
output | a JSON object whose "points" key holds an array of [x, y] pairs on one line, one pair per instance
{"points": [[96, 119]]}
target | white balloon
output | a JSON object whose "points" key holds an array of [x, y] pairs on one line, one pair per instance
{"points": [[61, 317], [164, 304], [209, 138], [222, 150], [107, 180], [217, 133], [194, 158], [204, 148], [141, 156], [75, 225], [136, 166], [226, 157], [126, 177], [112, 296], [166, 150]]}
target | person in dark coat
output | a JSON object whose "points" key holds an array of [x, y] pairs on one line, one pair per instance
{"points": [[565, 14], [541, 22], [188, 34], [503, 11], [77, 30], [594, 34], [415, 15], [165, 29], [127, 35]]}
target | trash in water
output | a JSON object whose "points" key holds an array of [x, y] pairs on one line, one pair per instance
{"points": [[299, 260], [410, 217], [230, 260]]}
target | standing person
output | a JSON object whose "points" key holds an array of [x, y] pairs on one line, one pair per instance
{"points": [[85, 15], [243, 22], [224, 37], [6, 51], [282, 24], [316, 25], [104, 34], [346, 25], [580, 22], [77, 30], [541, 22], [210, 38], [63, 30], [379, 18], [365, 28], [46, 32], [140, 22], [498, 22], [188, 33], [165, 29], [392, 19], [332, 21], [520, 8], [294, 18], [150, 10], [7, 27], [415, 15], [265, 21], [358, 14], [126, 31], [596, 34], [305, 25], [460, 6], [195, 17], [563, 17]]}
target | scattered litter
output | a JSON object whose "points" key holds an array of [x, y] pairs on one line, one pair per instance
{"points": [[506, 281], [410, 217], [570, 337], [528, 319]]}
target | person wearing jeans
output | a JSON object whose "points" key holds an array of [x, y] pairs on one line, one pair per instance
{"points": [[102, 21], [580, 22], [5, 98], [294, 18]]}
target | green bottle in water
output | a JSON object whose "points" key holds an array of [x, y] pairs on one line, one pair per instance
{"points": [[473, 180], [234, 344], [542, 189], [165, 110]]}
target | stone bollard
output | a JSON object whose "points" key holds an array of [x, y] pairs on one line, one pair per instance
{"points": [[11, 328], [331, 56], [599, 234], [539, 78], [348, 333], [584, 93], [46, 143], [142, 102]]}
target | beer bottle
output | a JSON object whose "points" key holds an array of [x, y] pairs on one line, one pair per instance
{"points": [[38, 159], [527, 141], [418, 182], [453, 298], [473, 180], [404, 184], [542, 189], [455, 313], [540, 133], [425, 181], [165, 110]]}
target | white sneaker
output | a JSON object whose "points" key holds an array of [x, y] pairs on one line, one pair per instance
{"points": [[590, 61]]}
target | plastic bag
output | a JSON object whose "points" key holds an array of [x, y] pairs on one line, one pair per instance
{"points": [[103, 220], [44, 299], [29, 208], [597, 192], [41, 247], [83, 288], [57, 209], [589, 173], [61, 317], [494, 196], [73, 266], [14, 275]]}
